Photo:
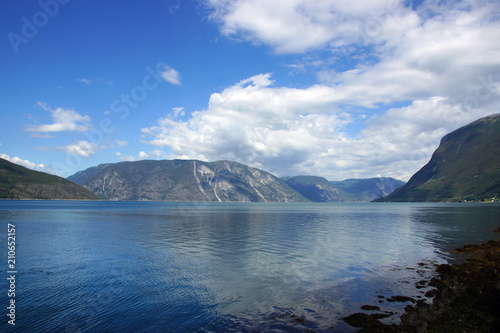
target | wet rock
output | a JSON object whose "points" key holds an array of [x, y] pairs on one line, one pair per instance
{"points": [[431, 293], [370, 308], [401, 299], [368, 323], [423, 282], [466, 298]]}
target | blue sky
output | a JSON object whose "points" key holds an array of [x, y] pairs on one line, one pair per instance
{"points": [[334, 88]]}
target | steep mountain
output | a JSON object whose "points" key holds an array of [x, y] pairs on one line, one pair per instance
{"points": [[18, 182], [369, 189], [83, 177], [465, 166], [318, 189], [185, 180]]}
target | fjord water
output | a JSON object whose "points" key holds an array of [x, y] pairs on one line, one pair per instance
{"points": [[219, 267]]}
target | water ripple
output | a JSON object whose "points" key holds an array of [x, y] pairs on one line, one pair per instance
{"points": [[189, 267]]}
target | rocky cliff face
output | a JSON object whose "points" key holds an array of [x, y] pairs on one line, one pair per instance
{"points": [[83, 177], [464, 167], [186, 180]]}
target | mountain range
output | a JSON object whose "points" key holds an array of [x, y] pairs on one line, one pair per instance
{"points": [[363, 190], [191, 180], [319, 189], [18, 182], [185, 180], [465, 167]]}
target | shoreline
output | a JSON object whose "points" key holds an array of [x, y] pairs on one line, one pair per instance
{"points": [[465, 297]]}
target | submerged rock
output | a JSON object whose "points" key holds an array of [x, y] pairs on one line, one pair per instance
{"points": [[400, 299], [369, 323], [370, 308]]}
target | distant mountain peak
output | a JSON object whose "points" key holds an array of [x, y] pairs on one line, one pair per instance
{"points": [[371, 188], [319, 189]]}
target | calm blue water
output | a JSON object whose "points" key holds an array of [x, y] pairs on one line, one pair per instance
{"points": [[222, 267]]}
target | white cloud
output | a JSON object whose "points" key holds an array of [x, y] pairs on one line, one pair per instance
{"points": [[441, 60], [65, 120], [41, 136], [25, 163], [440, 49], [143, 155], [81, 148], [121, 143], [171, 75], [300, 131], [178, 112], [400, 141], [295, 26], [85, 81], [122, 157]]}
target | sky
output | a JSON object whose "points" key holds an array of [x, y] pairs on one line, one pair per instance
{"points": [[333, 88]]}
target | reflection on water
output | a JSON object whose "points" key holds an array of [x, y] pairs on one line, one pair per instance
{"points": [[183, 267]]}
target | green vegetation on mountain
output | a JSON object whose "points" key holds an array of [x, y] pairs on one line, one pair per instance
{"points": [[185, 180], [466, 166], [18, 182]]}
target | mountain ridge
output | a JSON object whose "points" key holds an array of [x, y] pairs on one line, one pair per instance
{"points": [[18, 182], [186, 180], [465, 167], [176, 180], [318, 189], [369, 189]]}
